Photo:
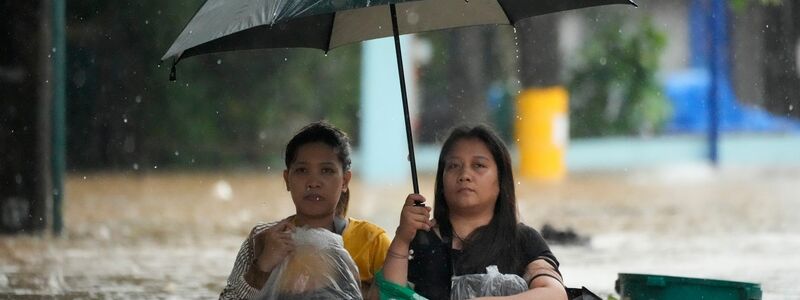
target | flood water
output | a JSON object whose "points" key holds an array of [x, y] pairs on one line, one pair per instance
{"points": [[175, 236]]}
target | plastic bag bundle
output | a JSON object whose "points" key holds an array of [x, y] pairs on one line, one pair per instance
{"points": [[319, 268], [493, 283]]}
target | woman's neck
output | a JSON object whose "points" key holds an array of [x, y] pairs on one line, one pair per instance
{"points": [[323, 222], [465, 224]]}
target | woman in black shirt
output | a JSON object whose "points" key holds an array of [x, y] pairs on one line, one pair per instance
{"points": [[475, 225]]}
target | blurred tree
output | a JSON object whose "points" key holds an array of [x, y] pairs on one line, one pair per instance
{"points": [[229, 109], [614, 90]]}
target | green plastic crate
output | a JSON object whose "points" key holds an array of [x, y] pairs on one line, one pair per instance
{"points": [[660, 287]]}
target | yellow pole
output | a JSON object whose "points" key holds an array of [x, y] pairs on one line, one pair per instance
{"points": [[542, 132]]}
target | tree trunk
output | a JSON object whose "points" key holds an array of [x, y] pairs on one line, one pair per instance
{"points": [[22, 77], [540, 62], [781, 77], [467, 82]]}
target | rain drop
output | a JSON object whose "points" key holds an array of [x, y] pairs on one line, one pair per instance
{"points": [[125, 120], [791, 107], [146, 22], [269, 168], [187, 84], [177, 153], [84, 177], [155, 166], [138, 99], [219, 61], [190, 32], [285, 59], [136, 166], [515, 31], [519, 182], [54, 50]]}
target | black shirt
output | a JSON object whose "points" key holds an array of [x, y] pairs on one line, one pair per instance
{"points": [[431, 266]]}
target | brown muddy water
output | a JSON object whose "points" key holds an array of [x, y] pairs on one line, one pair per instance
{"points": [[175, 236]]}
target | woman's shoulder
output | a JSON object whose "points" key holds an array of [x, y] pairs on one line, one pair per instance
{"points": [[261, 226], [530, 239], [363, 227], [527, 232], [534, 246]]}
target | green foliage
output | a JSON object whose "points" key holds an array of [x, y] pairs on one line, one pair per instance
{"points": [[226, 110], [741, 5], [613, 88]]}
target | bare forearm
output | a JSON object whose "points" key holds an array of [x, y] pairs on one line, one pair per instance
{"points": [[542, 293], [395, 268]]}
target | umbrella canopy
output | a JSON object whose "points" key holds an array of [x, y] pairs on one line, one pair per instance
{"points": [[226, 25]]}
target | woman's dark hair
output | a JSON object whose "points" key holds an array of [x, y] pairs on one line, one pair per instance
{"points": [[324, 132], [497, 242]]}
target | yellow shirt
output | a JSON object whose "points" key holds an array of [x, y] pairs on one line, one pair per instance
{"points": [[368, 244]]}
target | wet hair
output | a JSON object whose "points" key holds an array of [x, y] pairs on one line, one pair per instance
{"points": [[323, 132], [496, 243]]}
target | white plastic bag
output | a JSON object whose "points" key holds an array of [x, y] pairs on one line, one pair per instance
{"points": [[493, 283], [319, 268]]}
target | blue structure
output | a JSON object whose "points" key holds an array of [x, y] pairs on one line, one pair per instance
{"points": [[383, 150], [705, 90]]}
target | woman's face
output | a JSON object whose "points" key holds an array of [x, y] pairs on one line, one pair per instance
{"points": [[316, 179], [470, 177]]}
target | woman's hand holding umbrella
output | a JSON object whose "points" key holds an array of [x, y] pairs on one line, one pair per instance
{"points": [[413, 217]]}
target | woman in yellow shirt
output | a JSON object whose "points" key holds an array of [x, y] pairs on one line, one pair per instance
{"points": [[317, 176]]}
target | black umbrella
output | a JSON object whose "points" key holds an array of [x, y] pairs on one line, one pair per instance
{"points": [[226, 25]]}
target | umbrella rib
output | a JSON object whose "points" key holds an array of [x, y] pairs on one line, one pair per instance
{"points": [[330, 34], [505, 11]]}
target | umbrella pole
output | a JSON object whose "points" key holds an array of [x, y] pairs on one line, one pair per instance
{"points": [[409, 139], [420, 238]]}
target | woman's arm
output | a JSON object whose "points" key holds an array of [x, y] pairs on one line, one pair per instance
{"points": [[238, 286], [265, 247], [412, 218], [544, 283]]}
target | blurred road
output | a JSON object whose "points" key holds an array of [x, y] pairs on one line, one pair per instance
{"points": [[175, 236]]}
